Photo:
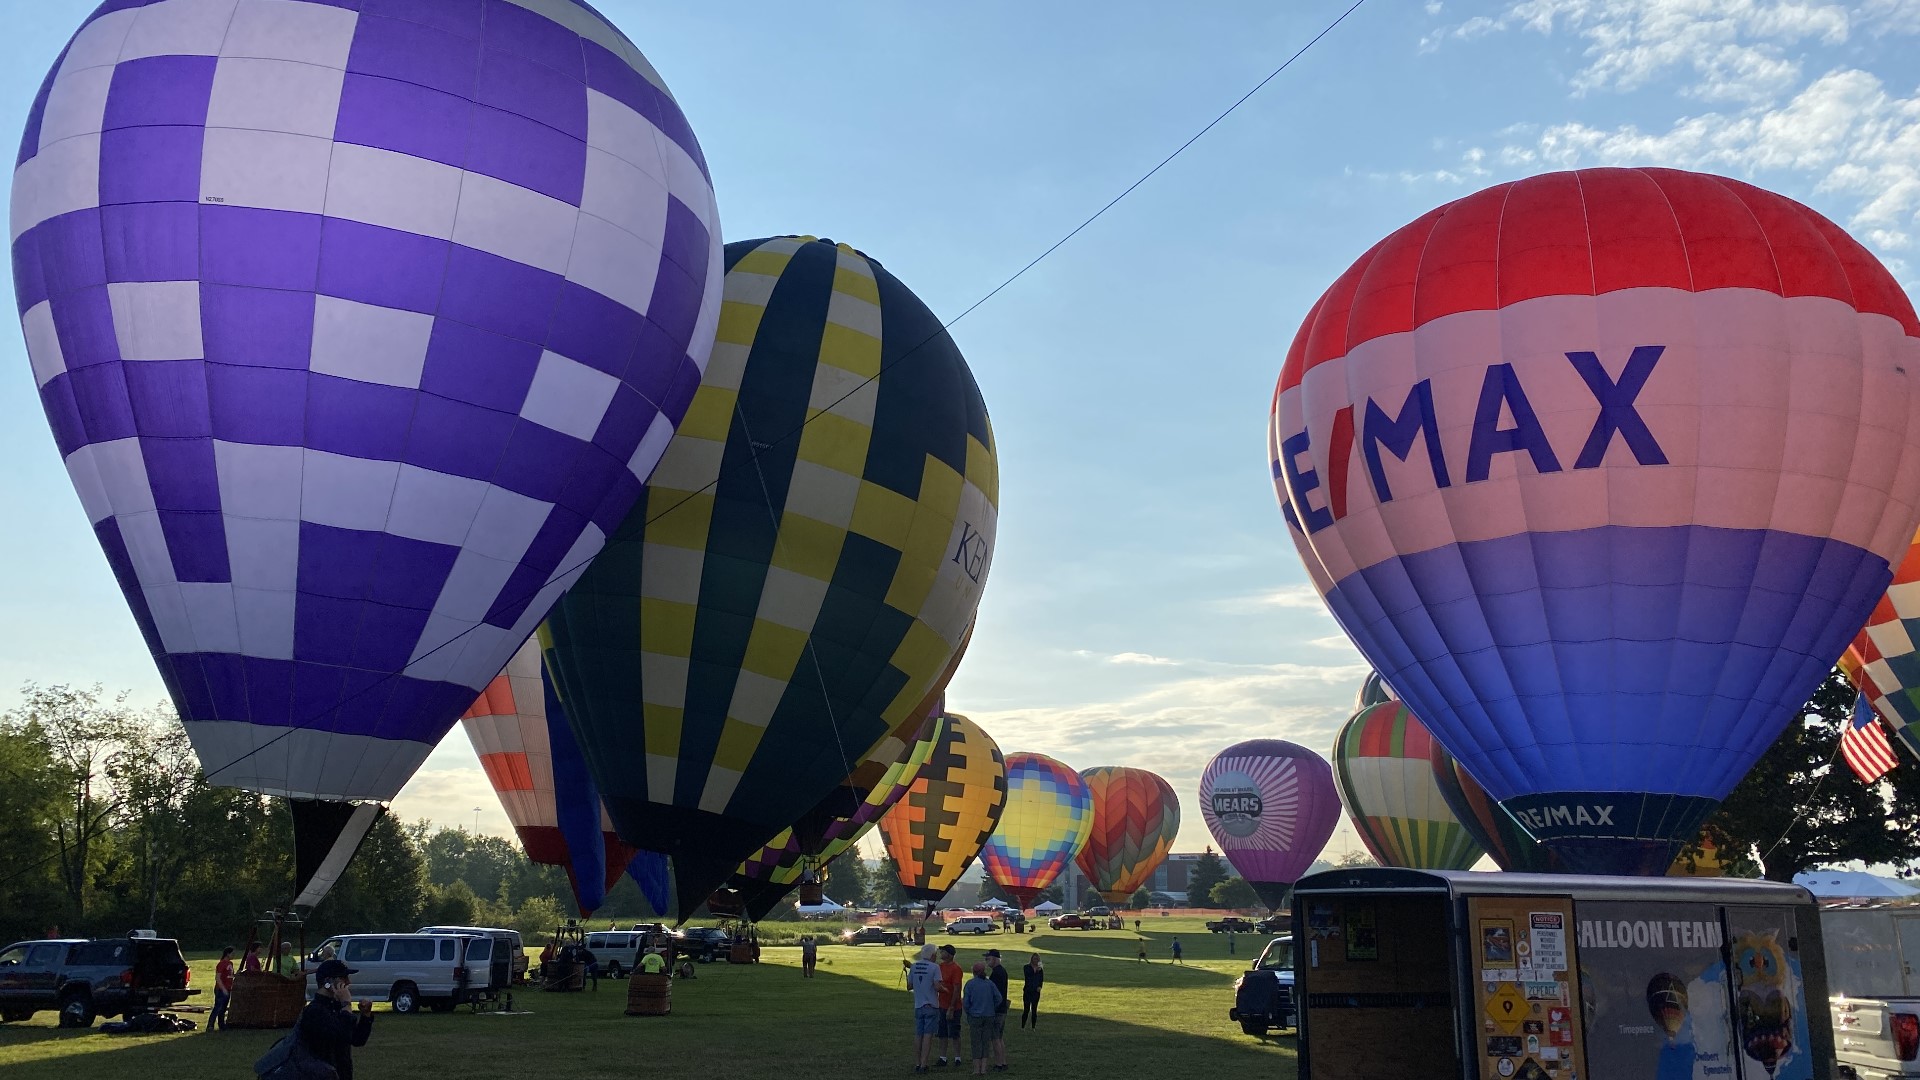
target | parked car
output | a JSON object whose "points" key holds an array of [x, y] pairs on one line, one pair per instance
{"points": [[439, 971], [1069, 921], [973, 924], [1263, 997], [616, 952], [1872, 956], [1274, 925], [1101, 912], [509, 956], [703, 943], [1232, 924], [84, 979], [872, 935]]}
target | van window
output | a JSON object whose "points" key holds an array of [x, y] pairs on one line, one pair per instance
{"points": [[410, 950], [365, 950], [479, 950], [446, 948], [597, 941]]}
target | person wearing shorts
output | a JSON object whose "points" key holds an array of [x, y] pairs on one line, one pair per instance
{"points": [[923, 979], [949, 1035]]}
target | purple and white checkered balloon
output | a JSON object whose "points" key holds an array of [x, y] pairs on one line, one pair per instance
{"points": [[360, 324]]}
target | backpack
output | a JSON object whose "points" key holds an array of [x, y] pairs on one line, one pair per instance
{"points": [[289, 1059]]}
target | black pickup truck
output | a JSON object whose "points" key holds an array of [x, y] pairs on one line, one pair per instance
{"points": [[87, 979]]}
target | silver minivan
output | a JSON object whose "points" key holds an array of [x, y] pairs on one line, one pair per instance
{"points": [[509, 954], [438, 971], [617, 952]]}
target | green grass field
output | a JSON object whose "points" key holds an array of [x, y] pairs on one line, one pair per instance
{"points": [[1104, 1014]]}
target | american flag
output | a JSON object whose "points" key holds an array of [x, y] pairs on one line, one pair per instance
{"points": [[1864, 744]]}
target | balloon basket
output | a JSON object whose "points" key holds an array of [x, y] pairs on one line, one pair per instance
{"points": [[262, 999], [649, 995]]}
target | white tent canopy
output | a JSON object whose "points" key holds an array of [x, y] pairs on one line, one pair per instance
{"points": [[996, 904], [1046, 907], [1833, 884]]}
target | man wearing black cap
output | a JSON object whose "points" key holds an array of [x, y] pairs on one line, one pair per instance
{"points": [[328, 1027], [997, 1030]]}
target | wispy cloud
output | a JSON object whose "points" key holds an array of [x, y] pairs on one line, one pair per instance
{"points": [[1287, 597], [1146, 659]]}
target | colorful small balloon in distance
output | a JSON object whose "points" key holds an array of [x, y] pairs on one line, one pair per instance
{"points": [[1554, 449], [939, 826], [1271, 806], [802, 568], [1883, 661], [358, 332], [1493, 830], [1373, 692], [1383, 766], [1136, 817], [1048, 818]]}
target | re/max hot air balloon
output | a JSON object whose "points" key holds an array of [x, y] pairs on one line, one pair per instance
{"points": [[1271, 806], [937, 828], [1883, 660], [1601, 470], [1048, 818], [1136, 816], [358, 331], [1383, 769], [535, 766], [801, 569], [781, 866]]}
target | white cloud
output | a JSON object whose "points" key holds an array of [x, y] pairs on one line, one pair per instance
{"points": [[1333, 641], [1147, 659], [1288, 597]]}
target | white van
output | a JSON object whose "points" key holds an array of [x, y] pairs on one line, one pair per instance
{"points": [[973, 924], [439, 971], [617, 952], [509, 953]]}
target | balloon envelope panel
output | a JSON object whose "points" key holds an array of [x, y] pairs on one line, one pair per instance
{"points": [[1883, 660], [936, 829], [1048, 818], [1136, 816], [1382, 762], [1601, 470], [804, 564], [1271, 806], [358, 331]]}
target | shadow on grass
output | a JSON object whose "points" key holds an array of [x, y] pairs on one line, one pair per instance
{"points": [[853, 1020]]}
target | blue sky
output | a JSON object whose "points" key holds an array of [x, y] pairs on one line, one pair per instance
{"points": [[1145, 605]]}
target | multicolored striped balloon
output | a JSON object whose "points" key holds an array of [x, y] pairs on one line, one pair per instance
{"points": [[1383, 767], [1554, 449], [1271, 806], [937, 828], [359, 331], [1136, 816], [1048, 818], [535, 767], [1884, 659], [1372, 692], [1493, 829]]}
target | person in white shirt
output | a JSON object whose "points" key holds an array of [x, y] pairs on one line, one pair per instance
{"points": [[923, 979]]}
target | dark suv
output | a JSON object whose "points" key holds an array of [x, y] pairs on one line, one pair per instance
{"points": [[703, 943], [87, 979]]}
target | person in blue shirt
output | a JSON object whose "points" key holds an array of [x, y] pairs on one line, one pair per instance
{"points": [[981, 1000]]}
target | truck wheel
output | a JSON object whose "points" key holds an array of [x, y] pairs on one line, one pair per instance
{"points": [[1254, 1027], [76, 1011], [406, 999]]}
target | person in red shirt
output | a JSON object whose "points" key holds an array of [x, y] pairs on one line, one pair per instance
{"points": [[251, 961], [222, 989], [950, 976]]}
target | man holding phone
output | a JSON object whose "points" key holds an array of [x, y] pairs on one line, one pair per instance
{"points": [[328, 1027]]}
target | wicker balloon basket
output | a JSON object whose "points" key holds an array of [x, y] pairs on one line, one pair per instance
{"points": [[649, 995], [262, 999]]}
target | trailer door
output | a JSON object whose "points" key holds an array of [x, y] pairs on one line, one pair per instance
{"points": [[1907, 931], [1768, 994]]}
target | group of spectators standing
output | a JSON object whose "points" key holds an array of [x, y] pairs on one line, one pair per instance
{"points": [[940, 1000]]}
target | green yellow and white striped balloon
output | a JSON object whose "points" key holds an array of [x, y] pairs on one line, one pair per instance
{"points": [[1383, 767]]}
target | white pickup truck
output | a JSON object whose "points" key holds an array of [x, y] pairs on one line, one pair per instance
{"points": [[1873, 954]]}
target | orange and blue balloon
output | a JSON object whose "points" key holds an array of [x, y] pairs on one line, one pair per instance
{"points": [[1601, 470]]}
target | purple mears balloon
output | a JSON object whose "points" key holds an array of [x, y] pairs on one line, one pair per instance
{"points": [[359, 325], [1271, 806]]}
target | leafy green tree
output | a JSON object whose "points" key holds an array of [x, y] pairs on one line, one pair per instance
{"points": [[1234, 893], [846, 879], [1801, 806], [537, 917], [1356, 857], [1141, 901], [383, 888], [1208, 870], [32, 801], [156, 775], [82, 729], [884, 885], [450, 905]]}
